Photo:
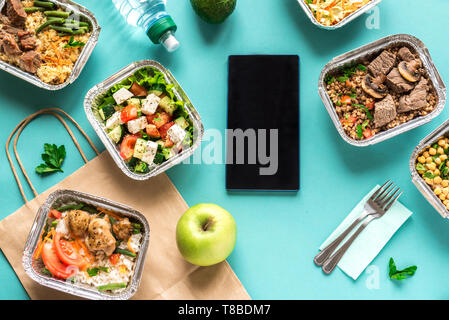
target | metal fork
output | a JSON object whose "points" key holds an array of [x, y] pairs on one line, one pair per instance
{"points": [[376, 206]]}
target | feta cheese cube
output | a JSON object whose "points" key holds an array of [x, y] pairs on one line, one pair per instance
{"points": [[176, 134], [140, 148], [122, 95], [136, 125], [114, 121], [150, 103], [151, 149]]}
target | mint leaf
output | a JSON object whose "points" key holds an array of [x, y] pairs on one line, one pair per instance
{"points": [[396, 274]]}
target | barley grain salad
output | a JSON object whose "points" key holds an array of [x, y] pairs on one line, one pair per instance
{"points": [[331, 12], [42, 39], [89, 246], [380, 93]]}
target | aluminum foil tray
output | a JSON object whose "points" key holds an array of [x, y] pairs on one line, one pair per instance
{"points": [[343, 22], [64, 197], [370, 51], [82, 59], [95, 94], [419, 182]]}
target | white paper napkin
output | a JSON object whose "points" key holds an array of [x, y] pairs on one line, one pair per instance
{"points": [[371, 241]]}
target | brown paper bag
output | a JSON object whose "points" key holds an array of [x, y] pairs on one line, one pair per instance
{"points": [[166, 274]]}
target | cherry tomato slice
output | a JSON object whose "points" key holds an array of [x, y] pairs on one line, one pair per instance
{"points": [[54, 214], [67, 253], [114, 258], [53, 264], [127, 146], [163, 130], [129, 113]]}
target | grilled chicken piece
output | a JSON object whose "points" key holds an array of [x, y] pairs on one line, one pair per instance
{"points": [[100, 237], [123, 229], [78, 222]]}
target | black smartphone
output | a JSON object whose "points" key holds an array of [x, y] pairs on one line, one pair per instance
{"points": [[262, 135]]}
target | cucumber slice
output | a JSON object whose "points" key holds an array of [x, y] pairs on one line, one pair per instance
{"points": [[116, 134], [106, 112], [167, 105], [134, 102], [182, 122], [158, 158]]}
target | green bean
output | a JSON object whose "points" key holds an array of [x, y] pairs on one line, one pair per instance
{"points": [[33, 9], [62, 29], [78, 23], [58, 14], [70, 207], [49, 22], [44, 4], [112, 286], [125, 252]]}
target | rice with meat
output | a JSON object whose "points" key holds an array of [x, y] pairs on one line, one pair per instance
{"points": [[57, 61]]}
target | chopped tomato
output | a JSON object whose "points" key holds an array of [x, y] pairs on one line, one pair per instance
{"points": [[350, 120], [127, 146], [346, 100], [367, 133], [163, 130], [168, 143], [129, 113], [348, 83], [114, 258], [159, 119], [67, 253], [54, 214], [152, 131], [138, 90], [370, 105], [53, 264]]}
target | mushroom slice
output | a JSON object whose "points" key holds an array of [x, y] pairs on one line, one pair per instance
{"points": [[409, 70], [374, 86]]}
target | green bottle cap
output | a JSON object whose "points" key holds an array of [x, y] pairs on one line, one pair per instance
{"points": [[160, 27]]}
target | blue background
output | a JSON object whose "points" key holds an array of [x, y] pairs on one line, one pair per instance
{"points": [[278, 234]]}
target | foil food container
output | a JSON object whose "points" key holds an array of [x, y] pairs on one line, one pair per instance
{"points": [[95, 95], [370, 51], [417, 180], [63, 197], [82, 59], [346, 20]]}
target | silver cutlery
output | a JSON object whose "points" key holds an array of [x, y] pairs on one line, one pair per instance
{"points": [[376, 206]]}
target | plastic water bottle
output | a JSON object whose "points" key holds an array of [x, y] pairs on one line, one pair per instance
{"points": [[150, 15]]}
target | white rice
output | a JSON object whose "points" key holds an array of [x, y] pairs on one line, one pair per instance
{"points": [[120, 273]]}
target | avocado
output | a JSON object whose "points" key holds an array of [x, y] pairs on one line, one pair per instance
{"points": [[214, 11]]}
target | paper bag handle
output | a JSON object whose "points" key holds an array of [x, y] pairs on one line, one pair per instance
{"points": [[54, 112]]}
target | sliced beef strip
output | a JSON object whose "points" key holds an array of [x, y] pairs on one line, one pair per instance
{"points": [[9, 45], [27, 40], [382, 64], [10, 29], [397, 83], [30, 61], [15, 12], [384, 111], [405, 54], [4, 19], [417, 99]]}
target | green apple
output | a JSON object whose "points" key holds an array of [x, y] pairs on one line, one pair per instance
{"points": [[206, 234]]}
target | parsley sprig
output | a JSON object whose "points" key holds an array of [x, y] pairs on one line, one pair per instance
{"points": [[53, 159], [400, 274], [74, 44]]}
